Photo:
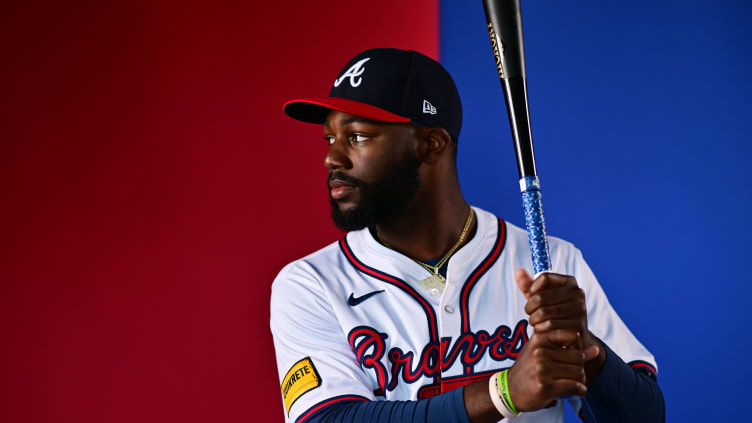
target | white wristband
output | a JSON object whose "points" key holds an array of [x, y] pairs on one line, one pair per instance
{"points": [[501, 406]]}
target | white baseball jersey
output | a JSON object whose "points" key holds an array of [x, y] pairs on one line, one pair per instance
{"points": [[351, 321]]}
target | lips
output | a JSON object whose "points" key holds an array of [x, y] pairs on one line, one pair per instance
{"points": [[339, 189]]}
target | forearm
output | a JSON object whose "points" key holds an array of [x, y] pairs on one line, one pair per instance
{"points": [[622, 394], [447, 407]]}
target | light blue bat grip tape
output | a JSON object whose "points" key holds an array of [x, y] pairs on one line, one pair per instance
{"points": [[534, 223]]}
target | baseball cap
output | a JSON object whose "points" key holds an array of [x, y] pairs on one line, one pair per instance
{"points": [[390, 85]]}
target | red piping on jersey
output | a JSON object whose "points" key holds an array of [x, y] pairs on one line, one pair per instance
{"points": [[329, 401], [501, 238], [642, 364]]}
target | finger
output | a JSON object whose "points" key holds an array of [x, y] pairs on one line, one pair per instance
{"points": [[562, 337], [548, 369], [553, 324], [551, 280], [524, 280], [555, 371], [591, 352], [573, 310], [565, 343], [558, 388], [556, 354], [556, 296]]}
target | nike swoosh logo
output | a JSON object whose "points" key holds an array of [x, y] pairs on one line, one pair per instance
{"points": [[353, 300]]}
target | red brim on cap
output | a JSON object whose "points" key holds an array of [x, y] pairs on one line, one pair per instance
{"points": [[315, 110]]}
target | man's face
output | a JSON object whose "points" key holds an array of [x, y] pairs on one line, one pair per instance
{"points": [[373, 169]]}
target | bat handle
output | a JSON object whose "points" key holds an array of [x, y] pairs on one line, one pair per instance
{"points": [[534, 223]]}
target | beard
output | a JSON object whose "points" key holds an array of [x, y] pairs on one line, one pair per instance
{"points": [[379, 200]]}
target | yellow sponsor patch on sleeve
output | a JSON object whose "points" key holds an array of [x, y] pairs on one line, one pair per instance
{"points": [[301, 378]]}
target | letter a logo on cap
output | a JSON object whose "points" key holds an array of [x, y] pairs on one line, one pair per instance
{"points": [[353, 72]]}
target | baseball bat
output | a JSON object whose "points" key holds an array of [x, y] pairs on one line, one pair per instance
{"points": [[504, 21]]}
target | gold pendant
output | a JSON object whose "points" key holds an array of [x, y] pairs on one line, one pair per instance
{"points": [[435, 281]]}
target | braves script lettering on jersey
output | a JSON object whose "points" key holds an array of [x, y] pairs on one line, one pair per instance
{"points": [[350, 321]]}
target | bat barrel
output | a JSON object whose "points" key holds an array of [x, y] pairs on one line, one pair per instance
{"points": [[504, 20], [505, 30], [519, 121]]}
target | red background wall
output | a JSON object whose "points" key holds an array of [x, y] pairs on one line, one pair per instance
{"points": [[151, 188]]}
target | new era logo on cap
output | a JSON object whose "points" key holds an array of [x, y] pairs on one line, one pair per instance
{"points": [[428, 108], [353, 72]]}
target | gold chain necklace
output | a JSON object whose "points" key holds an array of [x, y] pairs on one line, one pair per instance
{"points": [[436, 280]]}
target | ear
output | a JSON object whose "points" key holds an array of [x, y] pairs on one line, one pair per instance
{"points": [[435, 143]]}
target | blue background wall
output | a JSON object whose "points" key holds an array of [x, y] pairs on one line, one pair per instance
{"points": [[640, 119]]}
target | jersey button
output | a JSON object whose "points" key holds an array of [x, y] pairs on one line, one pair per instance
{"points": [[434, 292], [449, 309]]}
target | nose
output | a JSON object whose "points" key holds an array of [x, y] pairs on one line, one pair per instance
{"points": [[336, 157]]}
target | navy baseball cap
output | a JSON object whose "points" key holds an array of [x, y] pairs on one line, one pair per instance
{"points": [[390, 85]]}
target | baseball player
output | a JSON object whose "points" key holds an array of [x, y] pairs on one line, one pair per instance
{"points": [[422, 311]]}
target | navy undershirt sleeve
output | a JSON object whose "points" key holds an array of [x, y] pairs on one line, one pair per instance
{"points": [[623, 394], [447, 407], [618, 394]]}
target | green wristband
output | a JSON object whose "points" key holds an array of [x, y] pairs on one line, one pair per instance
{"points": [[504, 390]]}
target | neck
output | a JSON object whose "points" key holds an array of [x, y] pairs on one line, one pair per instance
{"points": [[430, 225]]}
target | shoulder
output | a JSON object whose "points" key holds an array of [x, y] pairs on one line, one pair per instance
{"points": [[319, 274], [299, 289]]}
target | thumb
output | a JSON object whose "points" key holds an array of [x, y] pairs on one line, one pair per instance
{"points": [[524, 281], [591, 352]]}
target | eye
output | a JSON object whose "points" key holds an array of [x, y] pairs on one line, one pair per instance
{"points": [[329, 139], [359, 137]]}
